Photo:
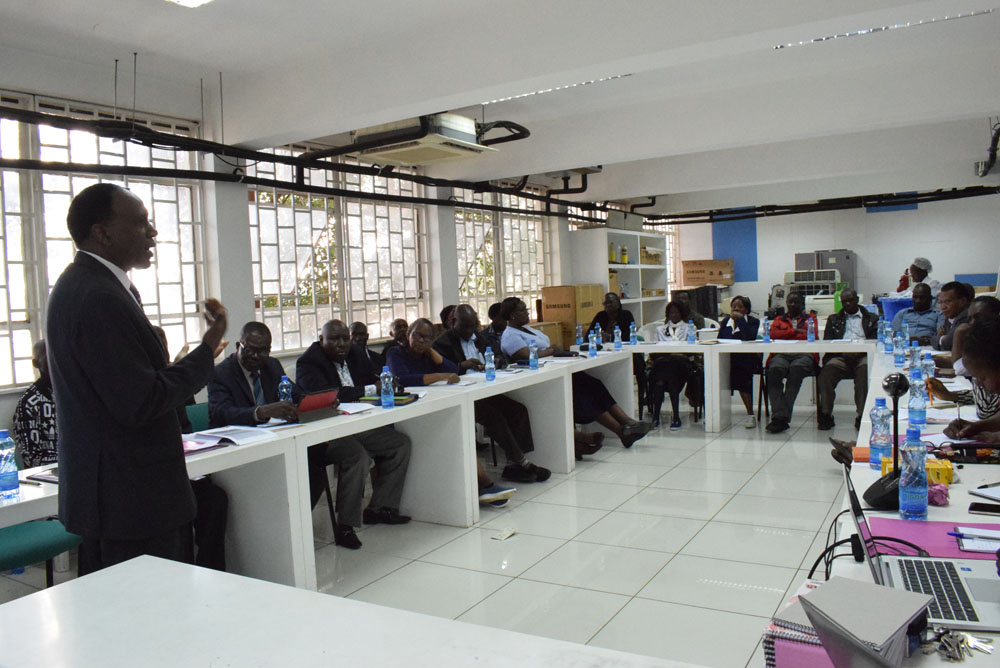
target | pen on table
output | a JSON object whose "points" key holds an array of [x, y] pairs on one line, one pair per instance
{"points": [[992, 484], [30, 482], [971, 536]]}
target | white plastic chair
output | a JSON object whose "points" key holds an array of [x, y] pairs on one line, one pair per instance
{"points": [[711, 324], [648, 331]]}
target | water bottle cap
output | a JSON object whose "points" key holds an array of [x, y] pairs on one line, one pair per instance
{"points": [[880, 402], [3, 433], [385, 369], [489, 349], [913, 433], [284, 378], [914, 344], [927, 354]]}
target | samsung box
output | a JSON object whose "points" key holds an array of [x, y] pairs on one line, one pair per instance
{"points": [[570, 304], [704, 272]]}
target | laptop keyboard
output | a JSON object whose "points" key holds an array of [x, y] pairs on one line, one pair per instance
{"points": [[939, 579]]}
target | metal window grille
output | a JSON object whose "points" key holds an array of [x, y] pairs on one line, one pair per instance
{"points": [[477, 253], [672, 234]]}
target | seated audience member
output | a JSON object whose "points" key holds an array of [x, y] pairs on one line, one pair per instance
{"points": [[739, 324], [981, 357], [244, 391], [924, 320], [785, 371], [359, 338], [333, 363], [612, 316], [35, 415], [669, 372], [419, 364], [917, 273], [504, 419], [685, 298], [953, 301], [853, 322], [492, 333], [591, 400], [397, 330], [447, 318], [987, 403]]}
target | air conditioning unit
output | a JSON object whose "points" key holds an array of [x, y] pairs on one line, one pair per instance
{"points": [[451, 137]]}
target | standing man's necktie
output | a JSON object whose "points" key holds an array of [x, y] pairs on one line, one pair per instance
{"points": [[258, 391], [135, 293]]}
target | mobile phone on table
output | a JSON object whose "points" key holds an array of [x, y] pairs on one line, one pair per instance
{"points": [[985, 508]]}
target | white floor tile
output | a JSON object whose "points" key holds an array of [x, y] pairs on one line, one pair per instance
{"points": [[14, 587], [749, 446], [407, 540], [726, 461], [757, 660], [543, 609], [785, 513], [436, 590], [683, 633], [821, 467], [675, 503], [546, 519], [645, 532], [654, 456], [782, 486], [751, 544], [617, 570], [586, 494], [478, 551], [703, 480], [340, 571], [752, 589], [624, 474]]}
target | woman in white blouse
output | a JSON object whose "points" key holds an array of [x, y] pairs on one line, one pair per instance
{"points": [[669, 372]]}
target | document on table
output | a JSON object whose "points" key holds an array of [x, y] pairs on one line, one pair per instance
{"points": [[938, 440], [978, 540], [230, 435], [461, 383], [350, 408]]}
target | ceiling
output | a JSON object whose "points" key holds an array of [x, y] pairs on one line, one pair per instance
{"points": [[710, 114]]}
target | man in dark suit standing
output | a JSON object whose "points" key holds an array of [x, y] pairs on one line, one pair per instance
{"points": [[244, 390], [123, 481], [333, 363], [359, 337]]}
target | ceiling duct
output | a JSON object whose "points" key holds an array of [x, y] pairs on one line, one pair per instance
{"points": [[447, 137]]}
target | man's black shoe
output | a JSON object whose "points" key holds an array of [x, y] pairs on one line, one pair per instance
{"points": [[345, 537], [384, 516], [824, 422], [776, 426]]}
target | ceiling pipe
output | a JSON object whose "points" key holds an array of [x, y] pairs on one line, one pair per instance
{"points": [[517, 132], [565, 190], [646, 205], [985, 168]]}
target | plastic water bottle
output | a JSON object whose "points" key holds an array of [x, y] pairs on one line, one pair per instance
{"points": [[913, 477], [887, 340], [766, 326], [692, 337], [633, 334], [880, 443], [9, 484], [579, 334], [810, 330], [388, 391], [491, 366], [927, 366], [916, 406], [285, 389], [913, 355], [618, 338], [906, 332], [532, 355], [600, 334], [898, 351], [880, 330], [592, 348]]}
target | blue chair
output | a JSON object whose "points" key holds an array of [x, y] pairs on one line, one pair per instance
{"points": [[198, 415], [31, 542]]}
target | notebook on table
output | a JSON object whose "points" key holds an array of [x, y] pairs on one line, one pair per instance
{"points": [[966, 591]]}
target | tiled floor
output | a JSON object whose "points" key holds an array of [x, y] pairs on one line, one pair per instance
{"points": [[681, 547]]}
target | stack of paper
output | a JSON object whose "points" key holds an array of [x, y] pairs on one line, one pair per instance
{"points": [[979, 540]]}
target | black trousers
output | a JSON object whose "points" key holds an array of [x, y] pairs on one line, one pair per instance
{"points": [[175, 544], [506, 421], [210, 524], [669, 374]]}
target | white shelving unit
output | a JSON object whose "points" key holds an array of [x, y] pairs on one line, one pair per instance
{"points": [[591, 264]]}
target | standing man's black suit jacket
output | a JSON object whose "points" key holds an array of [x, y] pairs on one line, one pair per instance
{"points": [[230, 400], [314, 372], [122, 474], [449, 344]]}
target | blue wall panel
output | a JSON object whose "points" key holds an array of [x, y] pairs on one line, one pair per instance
{"points": [[737, 239]]}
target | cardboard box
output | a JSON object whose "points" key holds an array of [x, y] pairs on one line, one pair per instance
{"points": [[553, 330], [650, 255], [570, 304], [703, 272], [614, 284], [589, 300]]}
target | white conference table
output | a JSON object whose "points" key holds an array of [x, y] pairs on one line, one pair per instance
{"points": [[155, 613]]}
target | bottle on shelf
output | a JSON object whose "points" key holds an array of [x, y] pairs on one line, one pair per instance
{"points": [[285, 389], [388, 391], [913, 477], [618, 338], [810, 330], [9, 483], [916, 405], [532, 355], [579, 333], [692, 336], [491, 366], [624, 255], [592, 347], [612, 253], [880, 443], [633, 334], [765, 330]]}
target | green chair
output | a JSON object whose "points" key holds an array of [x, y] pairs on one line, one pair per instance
{"points": [[31, 542], [198, 415]]}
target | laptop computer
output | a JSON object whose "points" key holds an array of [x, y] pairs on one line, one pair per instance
{"points": [[318, 405], [966, 591]]}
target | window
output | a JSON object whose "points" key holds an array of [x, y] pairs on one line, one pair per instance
{"points": [[672, 235], [37, 246], [316, 258]]}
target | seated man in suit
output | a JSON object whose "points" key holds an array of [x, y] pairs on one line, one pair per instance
{"points": [[359, 338], [333, 363], [923, 319], [504, 419], [953, 301], [852, 322], [244, 390], [785, 368], [397, 330]]}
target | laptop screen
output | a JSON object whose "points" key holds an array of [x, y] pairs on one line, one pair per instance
{"points": [[861, 525]]}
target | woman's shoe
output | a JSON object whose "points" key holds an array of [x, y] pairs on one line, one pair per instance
{"points": [[750, 422], [675, 424]]}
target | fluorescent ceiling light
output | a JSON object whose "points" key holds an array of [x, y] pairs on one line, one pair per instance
{"points": [[190, 4], [872, 31], [552, 90]]}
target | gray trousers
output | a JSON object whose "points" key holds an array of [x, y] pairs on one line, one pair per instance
{"points": [[784, 378], [390, 451], [836, 369], [352, 463]]}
